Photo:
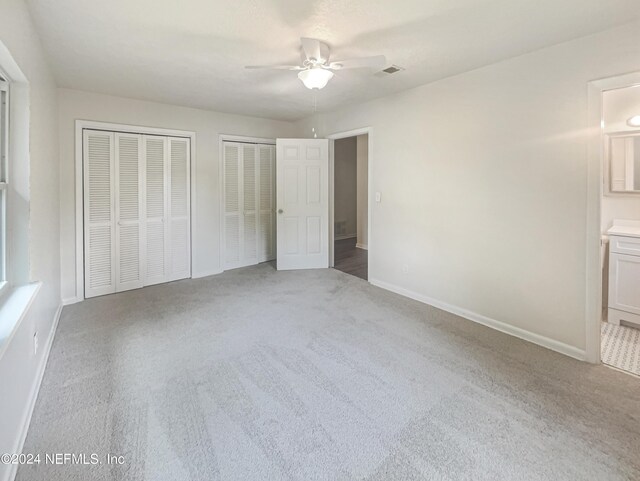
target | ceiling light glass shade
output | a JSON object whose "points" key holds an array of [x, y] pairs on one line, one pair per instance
{"points": [[315, 78], [634, 121]]}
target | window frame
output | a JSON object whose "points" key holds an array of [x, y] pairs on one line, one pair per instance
{"points": [[4, 178]]}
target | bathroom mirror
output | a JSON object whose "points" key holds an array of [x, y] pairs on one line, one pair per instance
{"points": [[624, 162]]}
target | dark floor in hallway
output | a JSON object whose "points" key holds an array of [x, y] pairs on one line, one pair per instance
{"points": [[351, 259]]}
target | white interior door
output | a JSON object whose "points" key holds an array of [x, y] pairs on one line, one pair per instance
{"points": [[231, 201], [248, 202], [302, 189], [128, 208], [99, 213], [179, 209], [137, 212], [157, 232], [266, 208]]}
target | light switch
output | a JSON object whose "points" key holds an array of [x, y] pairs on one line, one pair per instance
{"points": [[378, 196]]}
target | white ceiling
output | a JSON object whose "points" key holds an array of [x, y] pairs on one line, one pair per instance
{"points": [[192, 52]]}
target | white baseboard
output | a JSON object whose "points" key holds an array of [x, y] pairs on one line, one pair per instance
{"points": [[543, 341], [344, 236], [71, 300], [198, 275], [362, 246], [33, 395]]}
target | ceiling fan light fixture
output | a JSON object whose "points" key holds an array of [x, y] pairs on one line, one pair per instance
{"points": [[315, 78]]}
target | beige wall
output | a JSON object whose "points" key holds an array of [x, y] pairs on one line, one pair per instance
{"points": [[363, 190], [345, 186], [20, 368], [207, 125], [483, 179], [618, 106]]}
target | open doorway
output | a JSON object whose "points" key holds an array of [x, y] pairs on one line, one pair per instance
{"points": [[620, 228], [350, 205]]}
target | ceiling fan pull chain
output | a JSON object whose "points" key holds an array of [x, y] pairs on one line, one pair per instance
{"points": [[315, 109]]}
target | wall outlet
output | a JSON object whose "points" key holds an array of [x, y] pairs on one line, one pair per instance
{"points": [[35, 343], [378, 196], [405, 269]]}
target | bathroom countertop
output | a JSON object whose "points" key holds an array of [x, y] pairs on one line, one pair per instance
{"points": [[625, 228]]}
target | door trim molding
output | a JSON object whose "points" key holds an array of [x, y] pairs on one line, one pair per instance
{"points": [[332, 138], [222, 138], [80, 125], [246, 140]]}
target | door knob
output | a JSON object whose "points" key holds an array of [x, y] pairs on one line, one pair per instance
{"points": [[280, 211]]}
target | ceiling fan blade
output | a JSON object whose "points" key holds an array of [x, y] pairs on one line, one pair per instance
{"points": [[376, 62], [312, 49], [276, 67]]}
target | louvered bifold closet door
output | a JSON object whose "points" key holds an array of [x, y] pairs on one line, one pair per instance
{"points": [[157, 229], [99, 213], [266, 233], [231, 176], [179, 263], [128, 204], [250, 205], [249, 208]]}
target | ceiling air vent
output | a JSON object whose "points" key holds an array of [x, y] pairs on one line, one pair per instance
{"points": [[388, 71], [392, 69]]}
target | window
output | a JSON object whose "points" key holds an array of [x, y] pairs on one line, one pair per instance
{"points": [[4, 154]]}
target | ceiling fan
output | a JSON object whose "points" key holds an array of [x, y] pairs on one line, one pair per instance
{"points": [[316, 70]]}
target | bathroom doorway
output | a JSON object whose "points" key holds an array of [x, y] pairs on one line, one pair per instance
{"points": [[620, 228], [351, 205]]}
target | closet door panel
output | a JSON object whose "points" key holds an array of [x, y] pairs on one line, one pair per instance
{"points": [[99, 214], [266, 238], [128, 204], [137, 210], [231, 179], [249, 217], [250, 198], [179, 209], [155, 206]]}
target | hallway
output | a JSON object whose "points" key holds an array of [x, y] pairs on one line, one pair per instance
{"points": [[351, 259]]}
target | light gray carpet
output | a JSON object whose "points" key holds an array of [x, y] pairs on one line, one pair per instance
{"points": [[317, 375]]}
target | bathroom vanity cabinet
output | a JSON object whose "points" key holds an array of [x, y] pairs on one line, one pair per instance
{"points": [[624, 273]]}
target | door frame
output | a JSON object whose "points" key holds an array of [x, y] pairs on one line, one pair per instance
{"points": [[80, 125], [595, 185], [332, 138], [241, 139]]}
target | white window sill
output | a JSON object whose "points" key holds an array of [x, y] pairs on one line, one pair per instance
{"points": [[13, 306]]}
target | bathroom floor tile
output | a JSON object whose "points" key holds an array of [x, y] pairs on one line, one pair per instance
{"points": [[620, 347]]}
